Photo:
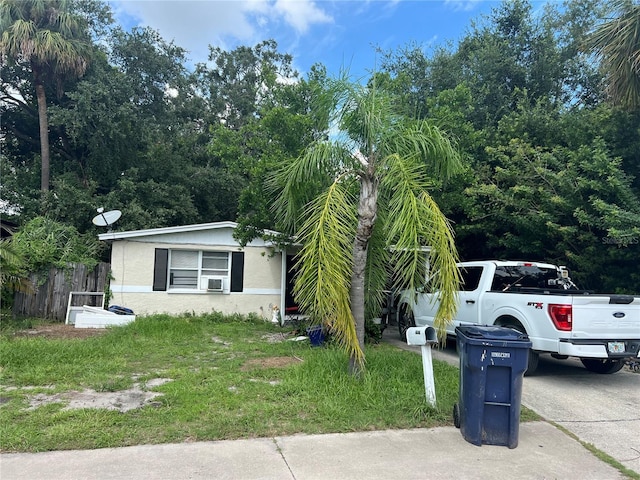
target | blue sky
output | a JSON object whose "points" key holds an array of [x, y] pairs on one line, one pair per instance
{"points": [[337, 33]]}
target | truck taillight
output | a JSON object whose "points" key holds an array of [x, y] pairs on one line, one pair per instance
{"points": [[561, 316]]}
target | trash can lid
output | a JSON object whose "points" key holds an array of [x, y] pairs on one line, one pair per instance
{"points": [[492, 333]]}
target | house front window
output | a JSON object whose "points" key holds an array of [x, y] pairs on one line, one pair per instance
{"points": [[192, 269], [215, 263]]}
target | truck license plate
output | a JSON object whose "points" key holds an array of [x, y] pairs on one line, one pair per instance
{"points": [[616, 347]]}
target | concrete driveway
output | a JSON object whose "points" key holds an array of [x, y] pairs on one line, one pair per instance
{"points": [[603, 410]]}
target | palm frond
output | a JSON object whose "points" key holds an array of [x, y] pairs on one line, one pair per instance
{"points": [[617, 43], [47, 33], [443, 258], [415, 221], [404, 181], [11, 275], [297, 182], [322, 285], [437, 150]]}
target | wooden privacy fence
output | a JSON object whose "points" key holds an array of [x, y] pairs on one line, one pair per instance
{"points": [[49, 300]]}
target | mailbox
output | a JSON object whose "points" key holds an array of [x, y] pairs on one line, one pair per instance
{"points": [[421, 336], [425, 337]]}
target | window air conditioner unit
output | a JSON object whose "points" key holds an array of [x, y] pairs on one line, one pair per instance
{"points": [[215, 284]]}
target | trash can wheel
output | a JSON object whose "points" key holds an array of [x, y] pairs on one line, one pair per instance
{"points": [[456, 415]]}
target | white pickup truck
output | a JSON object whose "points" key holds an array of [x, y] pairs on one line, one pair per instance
{"points": [[540, 300]]}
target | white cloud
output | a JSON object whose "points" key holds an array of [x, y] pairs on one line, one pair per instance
{"points": [[195, 24], [191, 24], [301, 14], [462, 5]]}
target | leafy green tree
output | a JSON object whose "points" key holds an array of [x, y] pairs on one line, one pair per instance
{"points": [[55, 43], [617, 43], [280, 133], [39, 245], [516, 48], [503, 53], [243, 81], [127, 108], [133, 117], [374, 210], [147, 203], [508, 53], [580, 79], [552, 170], [566, 206], [44, 243]]}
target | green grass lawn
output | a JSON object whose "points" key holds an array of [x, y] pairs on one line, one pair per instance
{"points": [[226, 378]]}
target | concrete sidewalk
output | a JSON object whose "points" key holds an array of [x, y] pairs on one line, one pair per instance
{"points": [[544, 452]]}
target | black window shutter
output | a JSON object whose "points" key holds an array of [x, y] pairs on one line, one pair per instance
{"points": [[160, 269], [237, 271]]}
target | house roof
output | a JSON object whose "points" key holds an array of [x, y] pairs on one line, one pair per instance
{"points": [[165, 230], [167, 233]]}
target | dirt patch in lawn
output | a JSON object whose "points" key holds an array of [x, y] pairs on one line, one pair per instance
{"points": [[60, 331], [269, 362], [123, 400]]}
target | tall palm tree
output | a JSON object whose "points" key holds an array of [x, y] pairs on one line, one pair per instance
{"points": [[617, 43], [54, 42], [374, 211]]}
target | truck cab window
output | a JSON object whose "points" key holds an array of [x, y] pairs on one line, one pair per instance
{"points": [[470, 278], [517, 277]]}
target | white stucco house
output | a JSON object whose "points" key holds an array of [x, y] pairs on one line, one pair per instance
{"points": [[197, 268]]}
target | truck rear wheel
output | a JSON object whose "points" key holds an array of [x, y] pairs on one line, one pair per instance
{"points": [[602, 365], [456, 415], [405, 321], [532, 365], [534, 357]]}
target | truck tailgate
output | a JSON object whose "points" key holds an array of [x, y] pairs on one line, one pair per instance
{"points": [[595, 317]]}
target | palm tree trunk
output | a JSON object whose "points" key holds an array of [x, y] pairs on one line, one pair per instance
{"points": [[44, 135], [367, 210]]}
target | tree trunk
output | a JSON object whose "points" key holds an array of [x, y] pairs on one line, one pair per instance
{"points": [[44, 134], [367, 210]]}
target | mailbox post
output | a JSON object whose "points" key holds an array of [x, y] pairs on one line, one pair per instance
{"points": [[425, 337]]}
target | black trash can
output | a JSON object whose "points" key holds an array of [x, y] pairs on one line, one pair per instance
{"points": [[492, 365]]}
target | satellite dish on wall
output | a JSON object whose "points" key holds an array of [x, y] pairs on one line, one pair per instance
{"points": [[106, 219]]}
